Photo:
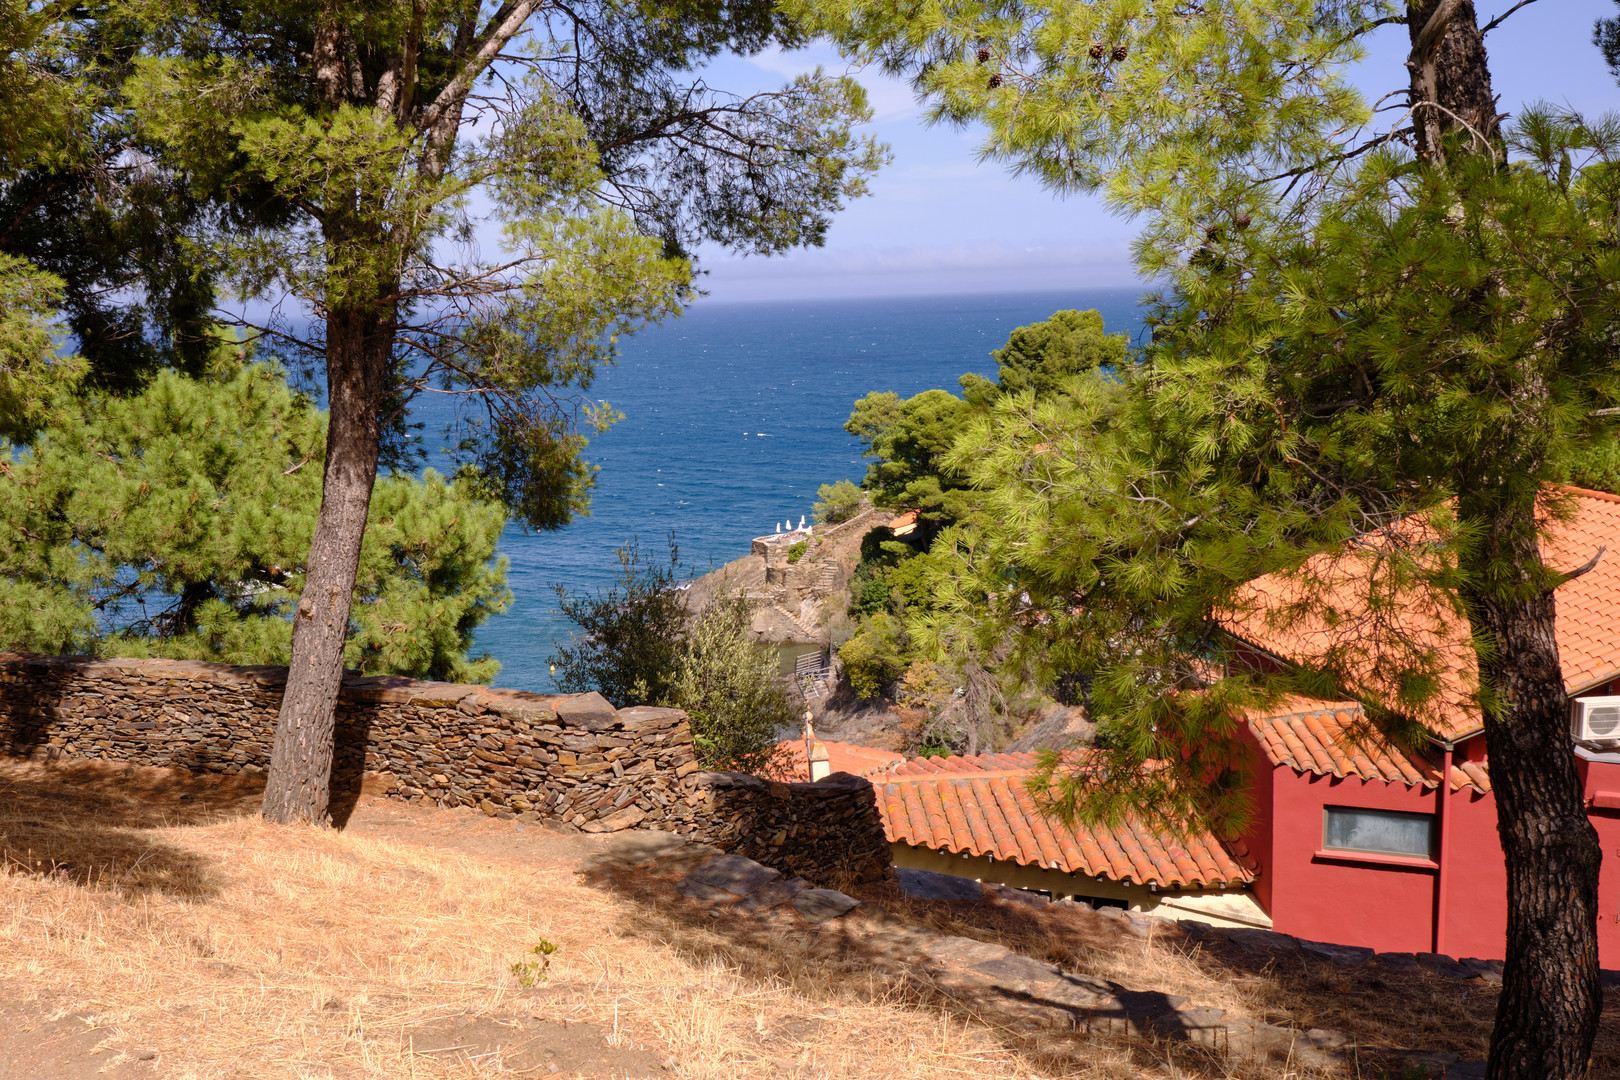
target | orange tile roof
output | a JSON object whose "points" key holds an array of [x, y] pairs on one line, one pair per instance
{"points": [[1334, 738], [980, 805], [1314, 616], [841, 757]]}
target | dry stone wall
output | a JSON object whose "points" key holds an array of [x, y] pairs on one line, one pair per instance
{"points": [[828, 832], [567, 758], [571, 758]]}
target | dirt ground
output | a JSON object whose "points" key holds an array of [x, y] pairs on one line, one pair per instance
{"points": [[152, 926]]}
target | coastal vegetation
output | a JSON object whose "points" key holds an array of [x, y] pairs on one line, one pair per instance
{"points": [[640, 644], [174, 522], [459, 201]]}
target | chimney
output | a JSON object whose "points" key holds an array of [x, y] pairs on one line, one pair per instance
{"points": [[820, 768]]}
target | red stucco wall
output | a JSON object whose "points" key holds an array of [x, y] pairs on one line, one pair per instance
{"points": [[1391, 906]]}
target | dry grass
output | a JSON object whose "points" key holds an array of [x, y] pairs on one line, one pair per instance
{"points": [[237, 949], [157, 906]]}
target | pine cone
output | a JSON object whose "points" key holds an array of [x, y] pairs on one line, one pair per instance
{"points": [[984, 55], [1097, 50], [1120, 52], [995, 81], [1242, 220]]}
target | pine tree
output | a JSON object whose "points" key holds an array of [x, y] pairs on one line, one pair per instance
{"points": [[379, 141], [1367, 327], [174, 522]]}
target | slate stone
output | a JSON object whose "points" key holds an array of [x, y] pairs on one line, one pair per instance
{"points": [[1445, 965], [1466, 1070], [1397, 961], [1200, 1024], [965, 951], [1262, 941], [1196, 929], [773, 895], [928, 885], [1018, 973], [696, 890], [1267, 1042], [735, 874], [1327, 1038], [1079, 991], [1146, 1004], [1017, 896], [1343, 955], [819, 905], [1609, 980]]}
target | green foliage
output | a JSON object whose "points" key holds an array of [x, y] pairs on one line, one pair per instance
{"points": [[875, 656], [1353, 378], [632, 635], [907, 439], [640, 646], [32, 372], [1606, 36], [380, 140], [174, 522], [1044, 357], [531, 973], [796, 551], [730, 687], [1175, 116], [836, 503]]}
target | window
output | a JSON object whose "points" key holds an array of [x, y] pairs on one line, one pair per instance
{"points": [[1384, 832]]}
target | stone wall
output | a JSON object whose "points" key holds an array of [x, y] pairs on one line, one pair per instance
{"points": [[570, 758], [567, 758], [828, 832]]}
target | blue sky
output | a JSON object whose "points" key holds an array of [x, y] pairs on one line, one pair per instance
{"points": [[938, 222]]}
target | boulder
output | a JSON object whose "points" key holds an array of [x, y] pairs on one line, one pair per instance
{"points": [[735, 874], [819, 905], [928, 885], [1343, 955]]}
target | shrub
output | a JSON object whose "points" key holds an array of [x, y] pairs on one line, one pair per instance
{"points": [[729, 686], [873, 659], [837, 502], [632, 633], [796, 552]]}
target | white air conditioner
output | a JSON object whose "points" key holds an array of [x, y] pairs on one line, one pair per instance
{"points": [[1597, 719]]}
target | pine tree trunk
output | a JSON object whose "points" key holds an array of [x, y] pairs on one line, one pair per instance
{"points": [[1551, 999], [358, 349], [1546, 1017]]}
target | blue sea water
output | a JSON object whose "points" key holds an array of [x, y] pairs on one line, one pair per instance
{"points": [[733, 417]]}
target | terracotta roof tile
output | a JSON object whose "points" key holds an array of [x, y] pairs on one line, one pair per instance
{"points": [[980, 805], [1334, 738], [841, 757], [1316, 614]]}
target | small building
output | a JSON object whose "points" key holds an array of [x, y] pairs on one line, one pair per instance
{"points": [[974, 817], [1360, 841]]}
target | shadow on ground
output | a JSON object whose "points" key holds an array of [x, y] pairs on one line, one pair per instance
{"points": [[90, 823], [880, 951]]}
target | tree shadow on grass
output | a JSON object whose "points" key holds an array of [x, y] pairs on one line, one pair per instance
{"points": [[881, 951], [89, 823]]}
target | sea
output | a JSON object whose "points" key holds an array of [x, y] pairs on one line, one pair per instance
{"points": [[733, 417]]}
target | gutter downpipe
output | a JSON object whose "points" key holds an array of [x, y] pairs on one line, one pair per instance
{"points": [[1442, 798]]}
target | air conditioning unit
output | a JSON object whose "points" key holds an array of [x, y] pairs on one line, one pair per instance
{"points": [[1597, 720]]}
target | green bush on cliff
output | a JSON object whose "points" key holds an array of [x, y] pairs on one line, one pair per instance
{"points": [[641, 646], [836, 503], [875, 657]]}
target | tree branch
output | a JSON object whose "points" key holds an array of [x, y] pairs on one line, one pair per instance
{"points": [[1494, 23]]}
